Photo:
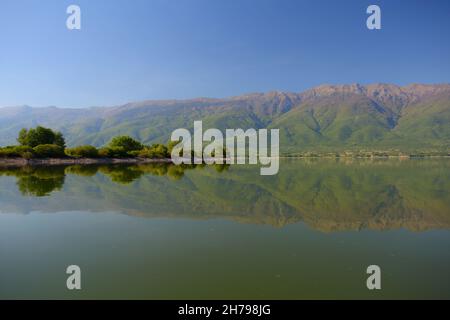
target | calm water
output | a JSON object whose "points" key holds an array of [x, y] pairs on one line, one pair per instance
{"points": [[158, 232]]}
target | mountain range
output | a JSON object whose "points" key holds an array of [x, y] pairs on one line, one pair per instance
{"points": [[324, 118]]}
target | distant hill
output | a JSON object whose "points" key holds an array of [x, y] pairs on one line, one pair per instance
{"points": [[325, 118]]}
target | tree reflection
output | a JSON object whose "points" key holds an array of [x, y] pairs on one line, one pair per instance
{"points": [[38, 181], [327, 195], [41, 181]]}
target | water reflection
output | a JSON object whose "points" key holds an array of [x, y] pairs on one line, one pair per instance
{"points": [[37, 182], [41, 181], [328, 195]]}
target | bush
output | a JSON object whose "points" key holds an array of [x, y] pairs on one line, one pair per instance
{"points": [[40, 135], [48, 151], [113, 152], [134, 153], [16, 151], [156, 151], [103, 152], [82, 152], [126, 143], [27, 155], [5, 153]]}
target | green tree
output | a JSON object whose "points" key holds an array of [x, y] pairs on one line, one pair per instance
{"points": [[59, 140], [48, 151], [23, 137], [82, 152], [40, 135], [126, 142], [157, 150]]}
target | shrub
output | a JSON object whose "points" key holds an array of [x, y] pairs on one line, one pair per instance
{"points": [[156, 151], [27, 155], [82, 152], [4, 153], [16, 151], [48, 151], [103, 152], [40, 135], [134, 153], [126, 143], [144, 153], [113, 152]]}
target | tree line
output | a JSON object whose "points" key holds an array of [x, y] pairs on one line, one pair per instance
{"points": [[41, 142]]}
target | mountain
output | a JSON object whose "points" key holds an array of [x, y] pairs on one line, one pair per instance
{"points": [[327, 117]]}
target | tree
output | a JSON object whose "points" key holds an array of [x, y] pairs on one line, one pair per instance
{"points": [[157, 150], [48, 151], [82, 152], [40, 135], [23, 137], [59, 140], [126, 142]]}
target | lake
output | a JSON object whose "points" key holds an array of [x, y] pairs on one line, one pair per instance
{"points": [[156, 231]]}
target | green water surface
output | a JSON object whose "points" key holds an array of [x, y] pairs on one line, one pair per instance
{"points": [[166, 232]]}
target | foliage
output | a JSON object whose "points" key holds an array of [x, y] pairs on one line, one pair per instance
{"points": [[40, 135], [156, 151], [48, 151], [16, 151], [82, 152], [113, 152], [127, 143]]}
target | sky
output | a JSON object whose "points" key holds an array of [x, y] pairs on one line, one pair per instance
{"points": [[176, 49]]}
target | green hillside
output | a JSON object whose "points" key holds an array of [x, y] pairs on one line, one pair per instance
{"points": [[325, 118]]}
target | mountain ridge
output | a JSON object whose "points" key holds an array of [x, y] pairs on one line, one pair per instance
{"points": [[326, 117]]}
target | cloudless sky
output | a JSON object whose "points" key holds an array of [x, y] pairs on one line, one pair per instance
{"points": [[130, 50]]}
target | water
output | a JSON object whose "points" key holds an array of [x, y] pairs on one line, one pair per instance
{"points": [[165, 232]]}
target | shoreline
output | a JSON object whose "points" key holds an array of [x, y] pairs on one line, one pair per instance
{"points": [[19, 162]]}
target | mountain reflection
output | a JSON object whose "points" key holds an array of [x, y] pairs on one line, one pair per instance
{"points": [[328, 195], [42, 181]]}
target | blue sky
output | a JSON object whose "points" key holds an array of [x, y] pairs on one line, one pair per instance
{"points": [[159, 49]]}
